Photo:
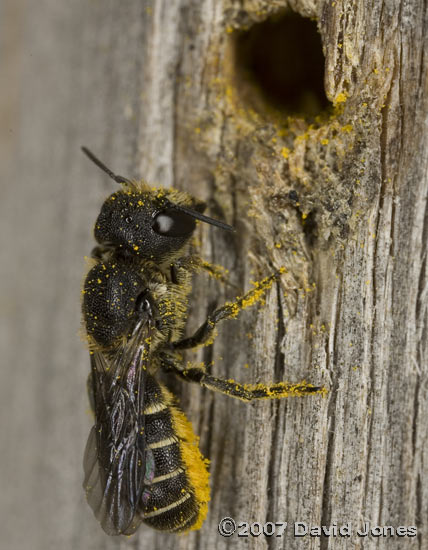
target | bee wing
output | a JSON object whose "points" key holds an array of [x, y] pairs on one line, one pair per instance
{"points": [[115, 455]]}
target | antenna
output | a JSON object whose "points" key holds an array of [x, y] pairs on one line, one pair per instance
{"points": [[188, 211], [95, 160], [202, 218]]}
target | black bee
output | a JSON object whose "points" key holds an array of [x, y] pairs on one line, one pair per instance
{"points": [[142, 462]]}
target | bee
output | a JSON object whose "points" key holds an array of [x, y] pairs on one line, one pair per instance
{"points": [[142, 463]]}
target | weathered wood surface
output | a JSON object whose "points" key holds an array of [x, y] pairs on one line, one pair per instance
{"points": [[151, 87]]}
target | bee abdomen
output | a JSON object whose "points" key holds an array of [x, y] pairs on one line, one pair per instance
{"points": [[174, 500]]}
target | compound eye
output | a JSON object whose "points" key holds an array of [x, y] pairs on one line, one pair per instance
{"points": [[173, 223]]}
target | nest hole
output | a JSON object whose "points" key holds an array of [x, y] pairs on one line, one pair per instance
{"points": [[282, 60]]}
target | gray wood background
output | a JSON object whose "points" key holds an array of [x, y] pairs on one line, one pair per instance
{"points": [[152, 87]]}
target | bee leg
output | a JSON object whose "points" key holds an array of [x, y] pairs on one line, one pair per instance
{"points": [[190, 264], [245, 392], [217, 272], [229, 311], [195, 263]]}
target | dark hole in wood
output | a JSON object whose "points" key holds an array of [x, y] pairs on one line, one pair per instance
{"points": [[283, 57], [310, 229]]}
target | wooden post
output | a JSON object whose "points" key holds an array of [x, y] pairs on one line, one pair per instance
{"points": [[160, 89]]}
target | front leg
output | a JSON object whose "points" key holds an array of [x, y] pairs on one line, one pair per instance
{"points": [[194, 263], [230, 310]]}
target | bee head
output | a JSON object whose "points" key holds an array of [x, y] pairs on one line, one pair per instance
{"points": [[145, 224], [148, 223]]}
